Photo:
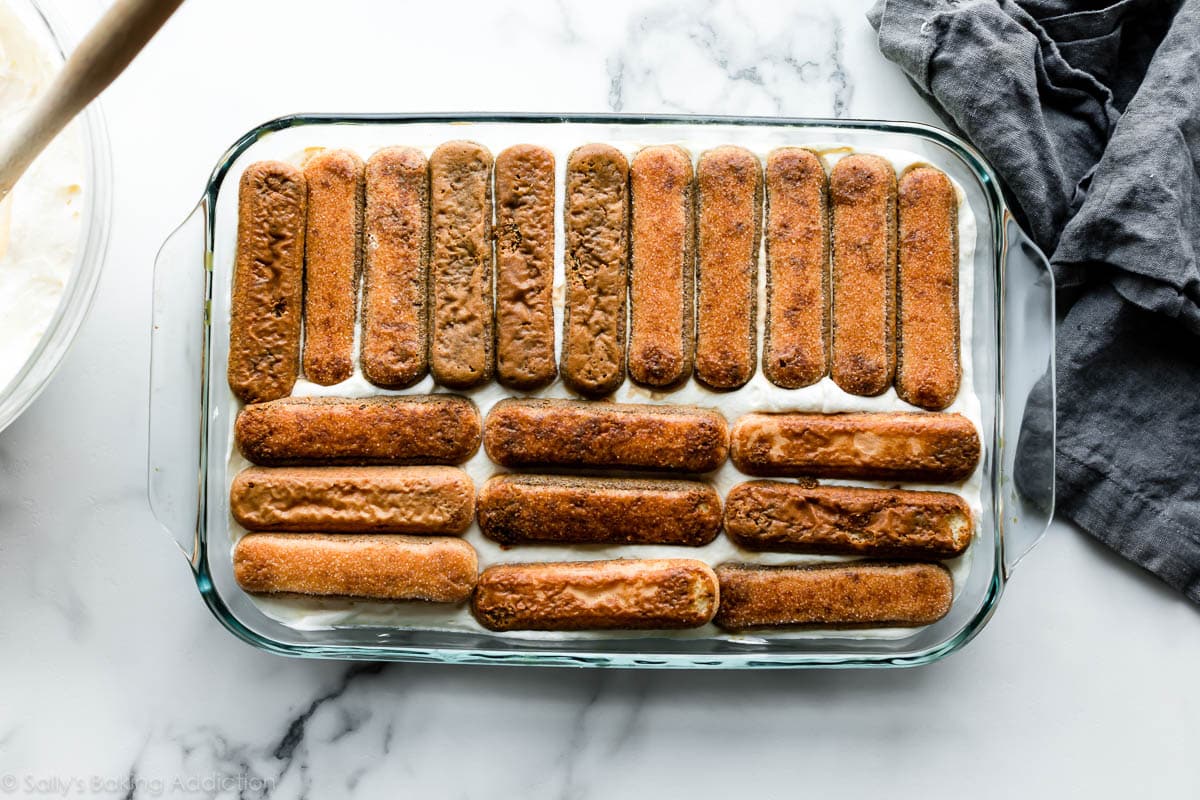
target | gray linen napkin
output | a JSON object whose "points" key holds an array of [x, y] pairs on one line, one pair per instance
{"points": [[1090, 113]]}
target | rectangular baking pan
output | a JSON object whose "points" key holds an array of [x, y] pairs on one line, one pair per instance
{"points": [[1012, 345]]}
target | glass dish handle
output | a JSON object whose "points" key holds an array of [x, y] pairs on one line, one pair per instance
{"points": [[177, 381], [1026, 494]]}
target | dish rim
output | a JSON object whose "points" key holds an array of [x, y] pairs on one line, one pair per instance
{"points": [[998, 215]]}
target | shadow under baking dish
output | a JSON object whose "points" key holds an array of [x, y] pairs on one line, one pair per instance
{"points": [[190, 397]]}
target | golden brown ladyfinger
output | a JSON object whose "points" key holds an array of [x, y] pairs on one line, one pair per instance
{"points": [[395, 316], [729, 207], [516, 509], [415, 429], [566, 433], [423, 500], [369, 566], [525, 267], [796, 334], [662, 267], [460, 267], [597, 267], [855, 594], [630, 594], [927, 357], [268, 282], [862, 193], [332, 264], [932, 448], [847, 520]]}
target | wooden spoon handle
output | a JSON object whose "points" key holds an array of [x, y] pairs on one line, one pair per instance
{"points": [[102, 55]]}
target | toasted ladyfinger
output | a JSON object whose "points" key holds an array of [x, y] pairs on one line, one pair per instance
{"points": [[862, 194], [928, 370], [597, 269], [729, 210], [268, 282], [662, 268]]}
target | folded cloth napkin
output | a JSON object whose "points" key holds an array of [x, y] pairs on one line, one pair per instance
{"points": [[1090, 113]]}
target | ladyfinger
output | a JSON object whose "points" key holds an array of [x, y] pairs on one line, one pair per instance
{"points": [[268, 282], [856, 594], [332, 264], [566, 433], [796, 335], [927, 359], [460, 268], [427, 500], [932, 448], [846, 520], [366, 566], [729, 192], [597, 259], [517, 509], [395, 314], [629, 594], [662, 268], [862, 192], [297, 431], [525, 267]]}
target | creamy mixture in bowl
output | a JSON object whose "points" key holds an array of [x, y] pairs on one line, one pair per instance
{"points": [[52, 230]]}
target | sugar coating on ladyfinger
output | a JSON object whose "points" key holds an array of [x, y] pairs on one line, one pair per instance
{"points": [[630, 594], [413, 429], [862, 195], [570, 433], [796, 334], [852, 595], [729, 210], [332, 264], [928, 369], [514, 509], [662, 267], [395, 309], [366, 566]]}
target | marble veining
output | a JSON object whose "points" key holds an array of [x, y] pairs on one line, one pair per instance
{"points": [[116, 681], [714, 57], [281, 763]]}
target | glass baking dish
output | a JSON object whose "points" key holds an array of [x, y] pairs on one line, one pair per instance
{"points": [[1012, 345]]}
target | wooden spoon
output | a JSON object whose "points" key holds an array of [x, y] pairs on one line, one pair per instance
{"points": [[103, 55]]}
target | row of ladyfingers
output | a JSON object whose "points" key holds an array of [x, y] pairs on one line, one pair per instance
{"points": [[551, 509], [861, 272], [630, 594], [519, 433]]}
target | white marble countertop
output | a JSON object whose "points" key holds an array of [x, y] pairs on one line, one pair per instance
{"points": [[115, 679]]}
